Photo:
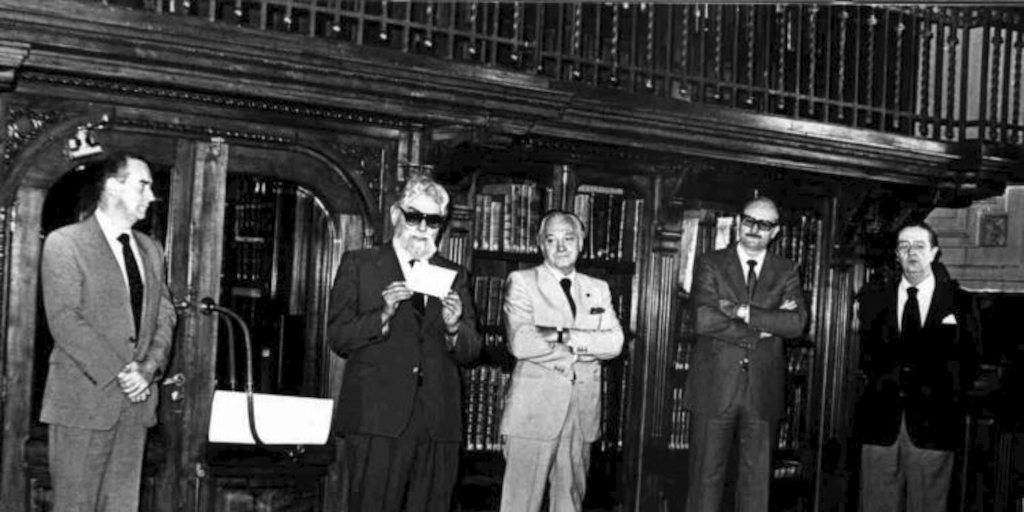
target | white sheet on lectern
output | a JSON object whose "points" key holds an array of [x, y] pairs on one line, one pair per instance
{"points": [[280, 419]]}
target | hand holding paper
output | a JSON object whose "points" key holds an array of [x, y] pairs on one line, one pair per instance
{"points": [[430, 280]]}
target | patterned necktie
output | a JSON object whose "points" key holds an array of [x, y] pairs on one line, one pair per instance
{"points": [[135, 286], [751, 280], [567, 288], [418, 302], [911, 314]]}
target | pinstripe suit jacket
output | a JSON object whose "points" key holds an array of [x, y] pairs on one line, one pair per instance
{"points": [[89, 314]]}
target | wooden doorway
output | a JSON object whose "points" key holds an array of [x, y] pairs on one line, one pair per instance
{"points": [[315, 216]]}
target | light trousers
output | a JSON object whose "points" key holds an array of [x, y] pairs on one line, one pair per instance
{"points": [[902, 477], [532, 463], [96, 470]]}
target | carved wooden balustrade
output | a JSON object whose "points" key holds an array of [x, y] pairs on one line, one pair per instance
{"points": [[941, 73]]}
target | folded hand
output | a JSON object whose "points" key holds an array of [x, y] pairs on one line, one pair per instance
{"points": [[134, 384]]}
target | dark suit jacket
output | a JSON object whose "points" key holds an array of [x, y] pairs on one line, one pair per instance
{"points": [[89, 314], [723, 342], [926, 377], [379, 387]]}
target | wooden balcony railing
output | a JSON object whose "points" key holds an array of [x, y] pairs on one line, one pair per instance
{"points": [[937, 72]]}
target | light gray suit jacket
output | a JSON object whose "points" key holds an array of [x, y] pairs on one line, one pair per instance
{"points": [[548, 374], [89, 314]]}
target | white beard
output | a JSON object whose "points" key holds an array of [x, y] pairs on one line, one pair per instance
{"points": [[418, 248]]}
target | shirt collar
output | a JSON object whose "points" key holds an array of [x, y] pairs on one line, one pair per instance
{"points": [[925, 287], [110, 231], [745, 256], [558, 273]]}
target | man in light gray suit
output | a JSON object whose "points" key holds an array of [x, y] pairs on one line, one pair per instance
{"points": [[560, 325], [111, 317]]}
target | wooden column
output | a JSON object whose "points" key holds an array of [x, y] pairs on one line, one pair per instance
{"points": [[26, 247], [194, 243]]}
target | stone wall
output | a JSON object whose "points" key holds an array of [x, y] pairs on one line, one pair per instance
{"points": [[983, 245]]}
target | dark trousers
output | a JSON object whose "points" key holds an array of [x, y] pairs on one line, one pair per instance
{"points": [[96, 470], [711, 439], [412, 472]]}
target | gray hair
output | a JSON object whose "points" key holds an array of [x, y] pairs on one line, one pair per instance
{"points": [[423, 185], [560, 214]]}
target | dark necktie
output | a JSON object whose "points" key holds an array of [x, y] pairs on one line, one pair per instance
{"points": [[751, 280], [567, 288], [417, 297], [135, 286], [911, 314]]}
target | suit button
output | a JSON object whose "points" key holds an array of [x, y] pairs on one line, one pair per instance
{"points": [[902, 395], [745, 363]]}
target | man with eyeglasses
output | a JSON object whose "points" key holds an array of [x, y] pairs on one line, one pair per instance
{"points": [[399, 410], [919, 343], [746, 300]]}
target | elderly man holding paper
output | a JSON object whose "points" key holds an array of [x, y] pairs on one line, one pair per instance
{"points": [[403, 318]]}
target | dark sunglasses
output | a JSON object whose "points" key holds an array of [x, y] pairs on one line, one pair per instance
{"points": [[760, 225], [414, 218]]}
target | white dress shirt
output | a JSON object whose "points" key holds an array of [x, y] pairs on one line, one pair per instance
{"points": [[925, 291]]}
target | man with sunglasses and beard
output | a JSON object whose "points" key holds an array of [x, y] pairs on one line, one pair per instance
{"points": [[399, 409], [746, 301]]}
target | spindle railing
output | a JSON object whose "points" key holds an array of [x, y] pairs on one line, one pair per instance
{"points": [[943, 73]]}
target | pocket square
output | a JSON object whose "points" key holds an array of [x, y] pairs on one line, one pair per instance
{"points": [[596, 311], [949, 320]]}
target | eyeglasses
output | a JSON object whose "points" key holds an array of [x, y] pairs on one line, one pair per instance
{"points": [[905, 249], [414, 218], [760, 225]]}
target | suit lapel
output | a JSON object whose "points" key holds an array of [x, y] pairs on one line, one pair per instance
{"points": [[942, 303], [109, 273], [893, 307], [735, 274], [551, 290], [108, 270]]}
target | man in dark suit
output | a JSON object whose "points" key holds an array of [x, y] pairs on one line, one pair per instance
{"points": [[746, 302], [399, 410], [920, 349], [561, 325], [112, 321]]}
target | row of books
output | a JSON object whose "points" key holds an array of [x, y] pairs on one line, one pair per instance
{"points": [[488, 295], [483, 399], [613, 222], [506, 216]]}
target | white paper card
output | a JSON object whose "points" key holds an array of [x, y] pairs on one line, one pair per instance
{"points": [[280, 419], [430, 279]]}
